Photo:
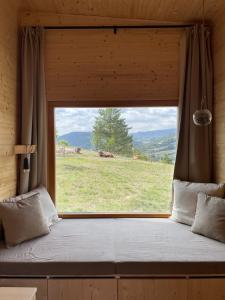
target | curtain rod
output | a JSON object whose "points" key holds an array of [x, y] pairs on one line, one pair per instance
{"points": [[118, 27]]}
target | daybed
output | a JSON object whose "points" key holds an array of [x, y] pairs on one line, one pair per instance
{"points": [[112, 256], [108, 247]]}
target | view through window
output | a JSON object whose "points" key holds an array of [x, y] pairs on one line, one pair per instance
{"points": [[115, 159]]}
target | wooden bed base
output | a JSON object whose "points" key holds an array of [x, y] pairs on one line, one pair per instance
{"points": [[182, 288]]}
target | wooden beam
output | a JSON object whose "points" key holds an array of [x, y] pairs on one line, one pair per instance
{"points": [[25, 149], [117, 103], [52, 19], [51, 153], [112, 215]]}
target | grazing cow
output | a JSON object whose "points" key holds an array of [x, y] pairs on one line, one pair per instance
{"points": [[135, 157], [78, 150], [105, 154], [70, 150]]}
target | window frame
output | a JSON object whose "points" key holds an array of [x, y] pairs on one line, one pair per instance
{"points": [[51, 163]]}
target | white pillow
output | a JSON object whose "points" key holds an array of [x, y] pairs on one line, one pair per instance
{"points": [[186, 197], [46, 203]]}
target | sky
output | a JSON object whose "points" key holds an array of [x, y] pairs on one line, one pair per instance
{"points": [[139, 119]]}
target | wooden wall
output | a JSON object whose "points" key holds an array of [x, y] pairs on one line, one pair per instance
{"points": [[8, 96], [219, 90], [98, 65]]}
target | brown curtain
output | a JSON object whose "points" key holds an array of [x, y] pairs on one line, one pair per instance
{"points": [[194, 149], [33, 113]]}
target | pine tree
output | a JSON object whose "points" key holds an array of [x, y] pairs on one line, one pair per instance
{"points": [[111, 133]]}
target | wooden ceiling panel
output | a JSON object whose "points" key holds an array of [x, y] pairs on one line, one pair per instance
{"points": [[160, 10], [101, 66]]}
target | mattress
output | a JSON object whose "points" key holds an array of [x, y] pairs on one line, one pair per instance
{"points": [[109, 247]]}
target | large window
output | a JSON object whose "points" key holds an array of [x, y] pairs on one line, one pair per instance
{"points": [[114, 159]]}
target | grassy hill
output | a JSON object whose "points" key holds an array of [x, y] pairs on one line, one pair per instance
{"points": [[88, 183]]}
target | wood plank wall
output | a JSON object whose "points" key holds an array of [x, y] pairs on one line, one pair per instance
{"points": [[219, 91], [8, 96], [98, 65]]}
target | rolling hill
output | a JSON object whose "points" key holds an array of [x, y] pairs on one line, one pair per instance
{"points": [[154, 143], [78, 139], [142, 135]]}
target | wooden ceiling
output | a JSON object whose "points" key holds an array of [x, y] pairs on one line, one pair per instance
{"points": [[158, 10]]}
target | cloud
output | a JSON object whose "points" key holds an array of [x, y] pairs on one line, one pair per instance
{"points": [[139, 119]]}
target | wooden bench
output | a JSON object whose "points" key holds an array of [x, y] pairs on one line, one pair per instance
{"points": [[182, 288]]}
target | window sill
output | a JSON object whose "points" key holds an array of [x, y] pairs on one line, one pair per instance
{"points": [[112, 215]]}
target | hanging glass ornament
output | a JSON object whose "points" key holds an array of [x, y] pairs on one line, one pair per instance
{"points": [[202, 117]]}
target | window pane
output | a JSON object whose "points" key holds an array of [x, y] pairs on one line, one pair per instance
{"points": [[115, 160]]}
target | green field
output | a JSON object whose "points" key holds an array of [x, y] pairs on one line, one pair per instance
{"points": [[88, 183]]}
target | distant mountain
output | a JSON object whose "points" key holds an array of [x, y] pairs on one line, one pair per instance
{"points": [[78, 139], [155, 144], [142, 135], [84, 139]]}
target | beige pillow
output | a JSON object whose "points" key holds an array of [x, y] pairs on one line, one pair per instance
{"points": [[23, 220], [210, 217], [186, 195], [46, 202]]}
